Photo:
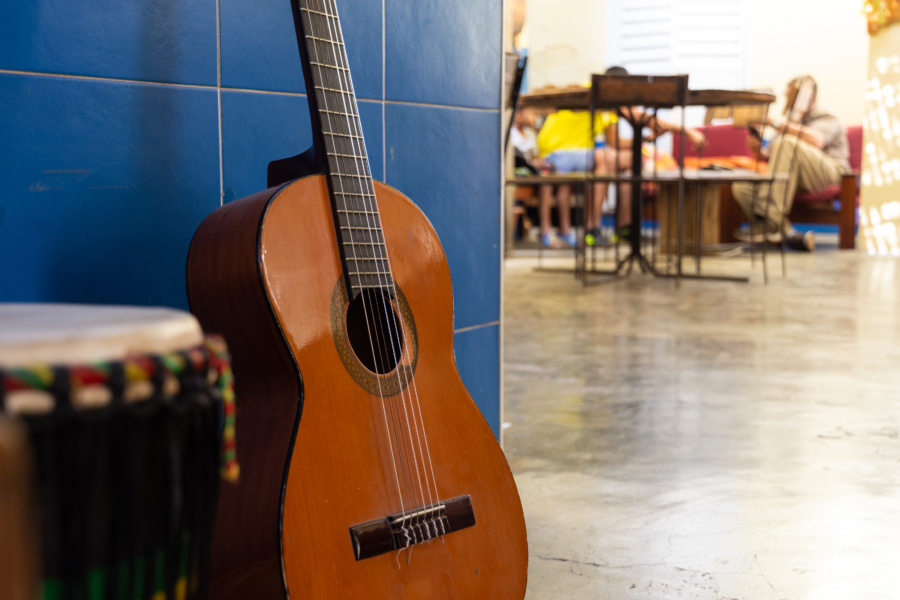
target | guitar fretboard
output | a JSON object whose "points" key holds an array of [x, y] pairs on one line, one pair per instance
{"points": [[332, 96]]}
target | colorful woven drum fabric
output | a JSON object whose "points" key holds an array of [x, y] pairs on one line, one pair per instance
{"points": [[128, 455]]}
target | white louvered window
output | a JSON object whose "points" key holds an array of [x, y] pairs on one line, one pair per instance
{"points": [[707, 39]]}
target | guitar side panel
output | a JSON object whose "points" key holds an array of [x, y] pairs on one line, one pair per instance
{"points": [[227, 296], [341, 470]]}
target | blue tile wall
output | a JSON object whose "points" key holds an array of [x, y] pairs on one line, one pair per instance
{"points": [[124, 124], [440, 159], [479, 365], [443, 52], [259, 46], [105, 183], [257, 128], [170, 40]]}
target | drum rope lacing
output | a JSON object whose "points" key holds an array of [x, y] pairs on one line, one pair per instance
{"points": [[210, 360]]}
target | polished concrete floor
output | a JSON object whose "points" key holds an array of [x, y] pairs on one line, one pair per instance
{"points": [[708, 440]]}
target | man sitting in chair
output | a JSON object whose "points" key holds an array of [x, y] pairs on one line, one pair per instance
{"points": [[809, 153]]}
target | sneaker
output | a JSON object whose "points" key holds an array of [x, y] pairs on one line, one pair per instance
{"points": [[550, 240], [761, 230], [805, 242], [592, 237], [622, 233], [758, 237]]}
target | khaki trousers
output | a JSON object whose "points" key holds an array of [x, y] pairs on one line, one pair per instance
{"points": [[807, 168]]}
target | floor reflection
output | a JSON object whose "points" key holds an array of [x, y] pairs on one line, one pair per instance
{"points": [[707, 440]]}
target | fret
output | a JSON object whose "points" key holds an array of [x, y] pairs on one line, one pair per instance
{"points": [[346, 135], [352, 243], [359, 184], [356, 194], [318, 12], [359, 176], [361, 228], [354, 218], [354, 156], [357, 163], [326, 40], [334, 90], [382, 258], [372, 283], [375, 273], [357, 212], [318, 64], [325, 111]]}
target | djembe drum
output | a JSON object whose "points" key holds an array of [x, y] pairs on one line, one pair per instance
{"points": [[125, 410], [18, 550]]}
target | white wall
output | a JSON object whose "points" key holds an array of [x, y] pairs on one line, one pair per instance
{"points": [[565, 40], [825, 38]]}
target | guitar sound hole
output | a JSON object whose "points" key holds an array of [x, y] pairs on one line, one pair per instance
{"points": [[373, 330]]}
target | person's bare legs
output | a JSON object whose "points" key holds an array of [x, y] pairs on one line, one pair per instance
{"points": [[546, 202], [595, 208], [563, 202], [620, 162]]}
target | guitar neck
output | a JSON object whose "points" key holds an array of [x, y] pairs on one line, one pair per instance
{"points": [[339, 145]]}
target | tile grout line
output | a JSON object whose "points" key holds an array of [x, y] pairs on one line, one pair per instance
{"points": [[476, 327], [196, 86], [219, 98], [432, 105], [501, 355], [383, 90], [219, 87]]}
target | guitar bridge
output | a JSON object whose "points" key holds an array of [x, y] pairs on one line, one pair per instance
{"points": [[403, 530]]}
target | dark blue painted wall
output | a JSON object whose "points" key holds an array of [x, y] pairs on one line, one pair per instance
{"points": [[123, 124]]}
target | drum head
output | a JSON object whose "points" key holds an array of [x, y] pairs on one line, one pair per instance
{"points": [[63, 334]]}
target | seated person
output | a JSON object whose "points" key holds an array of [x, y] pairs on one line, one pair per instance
{"points": [[811, 149], [523, 138], [566, 145]]}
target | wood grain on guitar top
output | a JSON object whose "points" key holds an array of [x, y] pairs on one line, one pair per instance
{"points": [[340, 470]]}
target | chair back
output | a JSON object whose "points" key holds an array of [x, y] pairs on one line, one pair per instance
{"points": [[854, 140], [721, 140], [657, 91]]}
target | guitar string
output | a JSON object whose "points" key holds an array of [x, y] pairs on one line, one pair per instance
{"points": [[402, 456], [311, 45], [397, 346], [392, 426], [414, 400], [358, 152]]}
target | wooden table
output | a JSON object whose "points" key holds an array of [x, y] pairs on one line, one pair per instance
{"points": [[579, 98], [703, 208], [700, 220]]}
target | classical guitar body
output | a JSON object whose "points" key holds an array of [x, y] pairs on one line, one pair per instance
{"points": [[367, 470], [340, 471]]}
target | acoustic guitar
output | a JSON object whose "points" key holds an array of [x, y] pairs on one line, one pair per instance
{"points": [[367, 470]]}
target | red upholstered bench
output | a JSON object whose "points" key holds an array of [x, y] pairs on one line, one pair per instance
{"points": [[834, 205]]}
